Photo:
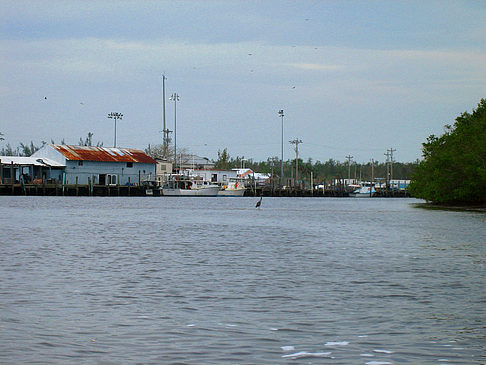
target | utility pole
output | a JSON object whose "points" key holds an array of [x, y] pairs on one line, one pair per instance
{"points": [[296, 142], [281, 115], [165, 131], [349, 157], [391, 150], [389, 166], [372, 177], [175, 98], [372, 172]]}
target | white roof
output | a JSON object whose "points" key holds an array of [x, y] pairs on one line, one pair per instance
{"points": [[34, 161]]}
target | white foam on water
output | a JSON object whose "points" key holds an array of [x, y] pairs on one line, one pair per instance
{"points": [[341, 343], [190, 325], [443, 360], [273, 329], [303, 354], [227, 324], [367, 355], [362, 336], [383, 351], [287, 348], [378, 363]]}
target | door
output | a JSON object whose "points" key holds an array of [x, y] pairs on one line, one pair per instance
{"points": [[102, 179]]}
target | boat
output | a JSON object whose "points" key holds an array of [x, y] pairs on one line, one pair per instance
{"points": [[363, 192], [233, 188], [186, 185]]}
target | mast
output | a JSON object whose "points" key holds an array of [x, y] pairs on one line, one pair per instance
{"points": [[164, 128]]}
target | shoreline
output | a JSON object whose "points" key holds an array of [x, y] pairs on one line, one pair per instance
{"points": [[460, 208]]}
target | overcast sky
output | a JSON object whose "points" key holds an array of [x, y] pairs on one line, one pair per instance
{"points": [[353, 77]]}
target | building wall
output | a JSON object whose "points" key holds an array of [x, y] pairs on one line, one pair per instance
{"points": [[99, 172], [48, 152], [96, 172], [219, 176]]}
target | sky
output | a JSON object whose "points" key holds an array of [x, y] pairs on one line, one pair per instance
{"points": [[354, 78]]}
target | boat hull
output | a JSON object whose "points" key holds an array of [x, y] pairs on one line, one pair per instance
{"points": [[234, 192], [363, 192], [363, 195], [205, 191]]}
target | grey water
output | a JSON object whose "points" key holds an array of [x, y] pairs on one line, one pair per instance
{"points": [[216, 281]]}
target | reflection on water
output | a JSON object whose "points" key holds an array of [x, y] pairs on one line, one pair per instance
{"points": [[216, 281]]}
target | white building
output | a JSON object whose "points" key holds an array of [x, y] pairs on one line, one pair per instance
{"points": [[223, 176]]}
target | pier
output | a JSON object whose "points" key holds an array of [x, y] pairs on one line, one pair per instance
{"points": [[328, 193], [59, 189]]}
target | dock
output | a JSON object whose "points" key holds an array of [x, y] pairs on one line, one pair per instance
{"points": [[328, 193], [59, 189]]}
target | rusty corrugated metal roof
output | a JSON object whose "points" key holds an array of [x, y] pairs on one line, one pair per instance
{"points": [[89, 153]]}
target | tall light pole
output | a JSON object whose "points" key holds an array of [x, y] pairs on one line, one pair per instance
{"points": [[165, 131], [281, 115], [175, 98], [114, 115]]}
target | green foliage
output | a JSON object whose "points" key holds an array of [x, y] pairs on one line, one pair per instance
{"points": [[22, 150], [321, 171], [453, 170], [224, 160], [29, 150], [88, 141]]}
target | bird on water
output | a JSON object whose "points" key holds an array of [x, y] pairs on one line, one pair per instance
{"points": [[259, 202]]}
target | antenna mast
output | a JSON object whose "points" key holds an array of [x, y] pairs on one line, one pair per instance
{"points": [[165, 132]]}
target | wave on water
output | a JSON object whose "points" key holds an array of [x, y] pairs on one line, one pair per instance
{"points": [[339, 343], [383, 351], [305, 354]]}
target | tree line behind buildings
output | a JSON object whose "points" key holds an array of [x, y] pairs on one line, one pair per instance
{"points": [[321, 171]]}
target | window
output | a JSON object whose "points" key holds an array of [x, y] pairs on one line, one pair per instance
{"points": [[129, 164], [80, 163]]}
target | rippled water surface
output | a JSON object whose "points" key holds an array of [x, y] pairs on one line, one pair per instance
{"points": [[216, 281]]}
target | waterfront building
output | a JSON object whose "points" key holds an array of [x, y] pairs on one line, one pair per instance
{"points": [[223, 176], [96, 165], [16, 169]]}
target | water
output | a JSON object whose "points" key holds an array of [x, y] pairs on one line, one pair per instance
{"points": [[216, 281]]}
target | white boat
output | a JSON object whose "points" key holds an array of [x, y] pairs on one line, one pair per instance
{"points": [[364, 192], [233, 188], [181, 185]]}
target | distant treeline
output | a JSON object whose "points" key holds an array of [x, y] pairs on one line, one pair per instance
{"points": [[453, 170], [321, 171], [29, 149]]}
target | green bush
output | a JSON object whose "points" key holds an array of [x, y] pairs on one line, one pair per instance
{"points": [[453, 169]]}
